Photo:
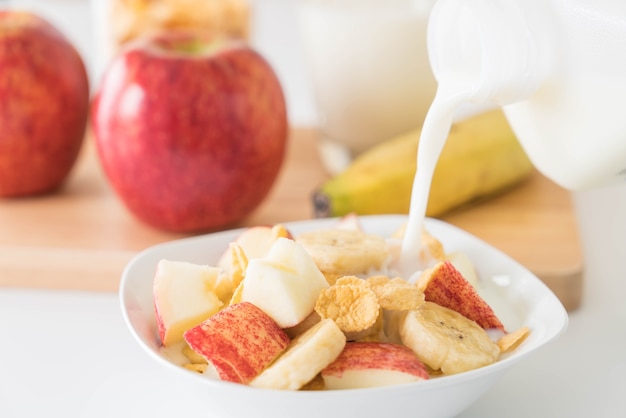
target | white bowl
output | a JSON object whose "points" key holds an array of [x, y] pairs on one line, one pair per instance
{"points": [[518, 297]]}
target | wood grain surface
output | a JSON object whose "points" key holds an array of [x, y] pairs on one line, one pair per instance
{"points": [[82, 236]]}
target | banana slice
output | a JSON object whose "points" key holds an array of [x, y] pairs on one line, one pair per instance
{"points": [[305, 357], [338, 252], [446, 340]]}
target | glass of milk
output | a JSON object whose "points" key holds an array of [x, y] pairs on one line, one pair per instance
{"points": [[369, 68]]}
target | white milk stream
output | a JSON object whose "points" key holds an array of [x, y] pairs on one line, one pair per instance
{"points": [[451, 94]]}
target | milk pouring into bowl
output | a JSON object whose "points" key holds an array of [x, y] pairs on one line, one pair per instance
{"points": [[557, 67]]}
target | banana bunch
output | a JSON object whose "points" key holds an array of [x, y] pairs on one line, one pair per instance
{"points": [[481, 157]]}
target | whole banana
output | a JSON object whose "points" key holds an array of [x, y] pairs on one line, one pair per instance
{"points": [[481, 157]]}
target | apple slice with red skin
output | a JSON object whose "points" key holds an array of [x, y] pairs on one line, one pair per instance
{"points": [[373, 364], [239, 341], [445, 285]]}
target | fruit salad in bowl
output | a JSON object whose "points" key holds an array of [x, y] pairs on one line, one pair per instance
{"points": [[315, 318]]}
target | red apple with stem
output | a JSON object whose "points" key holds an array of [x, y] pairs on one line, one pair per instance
{"points": [[191, 130], [44, 105]]}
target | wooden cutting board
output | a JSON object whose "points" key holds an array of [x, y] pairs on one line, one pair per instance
{"points": [[535, 224], [82, 237]]}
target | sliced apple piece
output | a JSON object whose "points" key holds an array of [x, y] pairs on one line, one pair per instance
{"points": [[446, 286], [285, 283], [372, 364], [184, 295], [464, 264], [305, 357], [255, 242], [238, 342]]}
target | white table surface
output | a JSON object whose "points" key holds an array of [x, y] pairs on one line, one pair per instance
{"points": [[68, 354]]}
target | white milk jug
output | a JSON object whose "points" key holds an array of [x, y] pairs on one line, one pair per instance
{"points": [[558, 69]]}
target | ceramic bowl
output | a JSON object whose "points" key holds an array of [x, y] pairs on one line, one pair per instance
{"points": [[517, 296]]}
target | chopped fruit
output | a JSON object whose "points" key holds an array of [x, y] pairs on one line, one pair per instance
{"points": [[446, 340], [285, 283], [271, 317], [255, 242], [184, 295], [446, 286], [371, 364], [305, 357], [338, 251], [464, 264], [238, 342]]}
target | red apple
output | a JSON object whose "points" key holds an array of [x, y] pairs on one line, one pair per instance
{"points": [[191, 131], [44, 104]]}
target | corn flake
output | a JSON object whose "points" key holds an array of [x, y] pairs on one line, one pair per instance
{"points": [[375, 333], [350, 280], [511, 341], [395, 294], [354, 307]]}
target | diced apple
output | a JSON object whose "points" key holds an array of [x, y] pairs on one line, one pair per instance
{"points": [[464, 264], [238, 342], [285, 283], [184, 295], [372, 364], [446, 286], [255, 242]]}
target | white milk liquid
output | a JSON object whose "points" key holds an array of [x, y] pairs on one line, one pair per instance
{"points": [[449, 98]]}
